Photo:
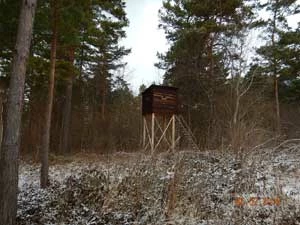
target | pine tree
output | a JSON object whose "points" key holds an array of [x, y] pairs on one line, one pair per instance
{"points": [[11, 138], [46, 133], [271, 52], [198, 62]]}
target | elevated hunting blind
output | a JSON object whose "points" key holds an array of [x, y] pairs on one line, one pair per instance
{"points": [[160, 100], [160, 109]]}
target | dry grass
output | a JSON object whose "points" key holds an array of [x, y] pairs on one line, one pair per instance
{"points": [[167, 188]]}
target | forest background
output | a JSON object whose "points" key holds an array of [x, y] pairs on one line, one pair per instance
{"points": [[233, 95]]}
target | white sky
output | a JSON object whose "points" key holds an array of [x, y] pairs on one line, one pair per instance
{"points": [[145, 40]]}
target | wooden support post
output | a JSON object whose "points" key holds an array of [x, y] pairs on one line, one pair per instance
{"points": [[164, 132], [148, 134], [173, 132], [152, 132], [144, 131]]}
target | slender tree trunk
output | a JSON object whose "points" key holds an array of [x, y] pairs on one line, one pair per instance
{"points": [[275, 78], [46, 133], [235, 126], [67, 117], [103, 99], [277, 104], [2, 106], [11, 138], [236, 132], [3, 91], [102, 89], [67, 108], [211, 57], [1, 119]]}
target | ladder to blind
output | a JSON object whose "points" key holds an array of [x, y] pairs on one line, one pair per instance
{"points": [[186, 134]]}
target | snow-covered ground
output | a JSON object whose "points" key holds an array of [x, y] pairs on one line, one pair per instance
{"points": [[258, 187]]}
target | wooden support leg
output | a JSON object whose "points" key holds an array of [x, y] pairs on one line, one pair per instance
{"points": [[173, 132], [144, 132], [152, 132], [164, 132]]}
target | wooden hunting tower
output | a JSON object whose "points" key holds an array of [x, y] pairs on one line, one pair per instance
{"points": [[160, 100], [160, 109]]}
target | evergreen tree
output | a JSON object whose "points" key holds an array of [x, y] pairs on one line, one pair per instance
{"points": [[289, 58], [46, 133], [11, 136], [199, 33], [9, 13], [271, 52]]}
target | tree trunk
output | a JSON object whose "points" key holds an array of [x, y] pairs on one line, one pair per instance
{"points": [[11, 138], [103, 99], [65, 139], [1, 118], [211, 56], [275, 65], [67, 117], [3, 90], [236, 126], [46, 133], [277, 104]]}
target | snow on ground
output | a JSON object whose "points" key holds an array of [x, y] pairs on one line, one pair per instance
{"points": [[212, 187]]}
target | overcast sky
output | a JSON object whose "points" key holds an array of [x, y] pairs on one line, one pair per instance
{"points": [[145, 40]]}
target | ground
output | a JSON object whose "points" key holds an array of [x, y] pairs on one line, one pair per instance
{"points": [[260, 186]]}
